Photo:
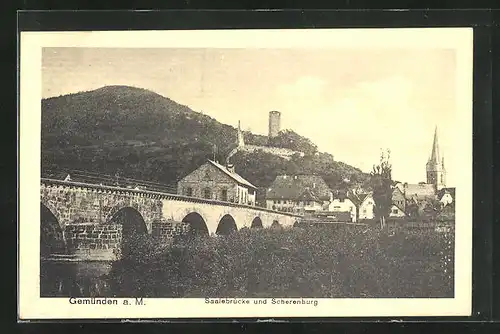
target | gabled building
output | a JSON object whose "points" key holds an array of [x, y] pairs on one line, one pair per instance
{"points": [[446, 196], [366, 206], [309, 201], [217, 182], [295, 193], [396, 212], [398, 198], [343, 201]]}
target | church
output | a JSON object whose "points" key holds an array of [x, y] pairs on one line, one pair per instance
{"points": [[436, 173], [405, 193]]}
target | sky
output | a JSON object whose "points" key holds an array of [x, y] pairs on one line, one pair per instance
{"points": [[351, 102]]}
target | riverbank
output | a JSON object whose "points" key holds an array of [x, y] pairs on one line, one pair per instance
{"points": [[295, 262]]}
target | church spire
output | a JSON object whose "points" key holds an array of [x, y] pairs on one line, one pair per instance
{"points": [[435, 148], [436, 173]]}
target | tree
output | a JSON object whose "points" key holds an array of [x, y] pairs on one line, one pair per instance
{"points": [[381, 182], [293, 141], [432, 208]]}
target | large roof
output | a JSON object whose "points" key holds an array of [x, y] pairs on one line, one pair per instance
{"points": [[359, 198], [308, 195], [293, 186], [238, 178], [419, 191]]}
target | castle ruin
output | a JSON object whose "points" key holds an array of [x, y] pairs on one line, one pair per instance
{"points": [[274, 130]]}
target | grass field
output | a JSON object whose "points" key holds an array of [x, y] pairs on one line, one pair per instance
{"points": [[310, 262]]}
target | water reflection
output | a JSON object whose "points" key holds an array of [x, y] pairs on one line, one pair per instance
{"points": [[75, 279]]}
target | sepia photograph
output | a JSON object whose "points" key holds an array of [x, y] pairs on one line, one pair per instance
{"points": [[216, 173]]}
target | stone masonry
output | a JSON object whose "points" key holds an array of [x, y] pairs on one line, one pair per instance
{"points": [[168, 229], [85, 212], [92, 241]]}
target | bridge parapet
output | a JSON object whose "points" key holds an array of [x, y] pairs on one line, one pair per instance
{"points": [[157, 195], [94, 219]]}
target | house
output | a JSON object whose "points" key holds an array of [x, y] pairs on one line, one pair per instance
{"points": [[396, 212], [309, 201], [398, 198], [366, 206], [446, 196], [217, 182], [297, 193], [343, 201]]}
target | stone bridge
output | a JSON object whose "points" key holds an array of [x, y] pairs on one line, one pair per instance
{"points": [[91, 222]]}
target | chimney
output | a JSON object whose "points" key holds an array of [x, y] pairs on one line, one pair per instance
{"points": [[230, 168]]}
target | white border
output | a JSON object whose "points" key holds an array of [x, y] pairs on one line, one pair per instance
{"points": [[31, 306]]}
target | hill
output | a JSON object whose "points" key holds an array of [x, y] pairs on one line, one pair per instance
{"points": [[140, 134]]}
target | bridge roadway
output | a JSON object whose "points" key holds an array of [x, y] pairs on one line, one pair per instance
{"points": [[91, 221]]}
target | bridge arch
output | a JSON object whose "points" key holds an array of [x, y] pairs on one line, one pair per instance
{"points": [[54, 210], [256, 223], [227, 225], [131, 220], [196, 223], [52, 239], [133, 227]]}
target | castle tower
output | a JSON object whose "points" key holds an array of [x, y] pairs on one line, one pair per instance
{"points": [[274, 123], [436, 173], [241, 140]]}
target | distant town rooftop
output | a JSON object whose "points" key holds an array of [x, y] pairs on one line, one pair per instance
{"points": [[292, 187]]}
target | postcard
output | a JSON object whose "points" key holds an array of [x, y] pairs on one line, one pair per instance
{"points": [[245, 173]]}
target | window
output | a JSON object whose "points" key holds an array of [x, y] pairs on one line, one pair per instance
{"points": [[223, 195], [395, 211], [189, 191], [207, 193]]}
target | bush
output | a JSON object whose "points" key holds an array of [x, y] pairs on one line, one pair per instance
{"points": [[292, 262]]}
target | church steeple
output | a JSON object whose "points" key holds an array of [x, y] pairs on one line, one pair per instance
{"points": [[436, 173], [435, 148]]}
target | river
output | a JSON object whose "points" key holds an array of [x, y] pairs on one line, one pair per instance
{"points": [[75, 279]]}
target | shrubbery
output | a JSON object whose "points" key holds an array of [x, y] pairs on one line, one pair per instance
{"points": [[312, 262]]}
